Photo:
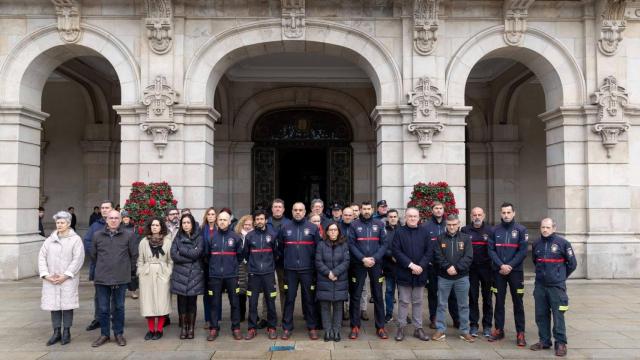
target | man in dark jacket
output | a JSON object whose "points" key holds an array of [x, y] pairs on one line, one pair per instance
{"points": [[95, 215], [260, 251], [480, 274], [508, 249], [367, 246], [224, 253], [555, 261], [274, 223], [413, 252], [115, 252], [436, 226], [105, 207], [297, 243], [389, 264], [454, 254]]}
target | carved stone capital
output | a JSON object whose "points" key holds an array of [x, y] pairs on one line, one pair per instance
{"points": [[159, 99], [612, 26], [293, 19], [609, 133], [159, 24], [515, 21], [68, 13], [425, 26], [425, 133]]}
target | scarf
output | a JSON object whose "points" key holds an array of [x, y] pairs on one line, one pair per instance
{"points": [[155, 243]]}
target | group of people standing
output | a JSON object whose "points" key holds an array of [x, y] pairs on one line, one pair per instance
{"points": [[328, 258]]}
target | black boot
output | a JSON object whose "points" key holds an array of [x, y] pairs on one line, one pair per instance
{"points": [[55, 337], [183, 326], [66, 336]]}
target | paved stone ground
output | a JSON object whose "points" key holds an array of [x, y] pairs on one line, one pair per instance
{"points": [[603, 322]]}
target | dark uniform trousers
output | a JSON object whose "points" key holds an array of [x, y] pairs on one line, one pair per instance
{"points": [[304, 278], [216, 287], [358, 275], [432, 295], [265, 284], [480, 276], [515, 280], [551, 301]]}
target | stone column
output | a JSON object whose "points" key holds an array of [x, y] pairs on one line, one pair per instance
{"points": [[505, 162], [186, 160], [98, 177], [20, 131]]}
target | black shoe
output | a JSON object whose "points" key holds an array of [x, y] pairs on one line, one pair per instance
{"points": [[371, 300], [328, 336], [94, 324], [408, 320], [66, 336], [149, 335], [336, 336], [157, 335], [55, 337], [388, 318]]}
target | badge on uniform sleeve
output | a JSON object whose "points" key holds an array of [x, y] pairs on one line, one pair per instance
{"points": [[514, 233], [306, 232], [374, 228], [570, 252], [460, 245], [526, 237], [268, 238], [554, 248]]}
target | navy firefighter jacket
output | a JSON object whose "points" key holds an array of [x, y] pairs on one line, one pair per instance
{"points": [[508, 245], [554, 260], [367, 238], [224, 251], [297, 242], [261, 251]]}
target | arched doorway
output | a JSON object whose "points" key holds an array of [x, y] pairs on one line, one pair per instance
{"points": [[301, 154]]}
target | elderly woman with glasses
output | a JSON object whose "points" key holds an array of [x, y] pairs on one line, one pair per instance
{"points": [[59, 262]]}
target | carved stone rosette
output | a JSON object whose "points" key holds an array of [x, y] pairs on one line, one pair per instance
{"points": [[425, 26], [425, 98], [68, 13], [611, 100], [159, 99], [612, 26], [159, 24], [515, 21], [293, 19]]}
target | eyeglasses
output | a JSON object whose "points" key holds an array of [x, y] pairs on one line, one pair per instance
{"points": [[173, 214]]}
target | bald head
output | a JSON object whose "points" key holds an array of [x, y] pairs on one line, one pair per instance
{"points": [[477, 216], [113, 219], [298, 211]]}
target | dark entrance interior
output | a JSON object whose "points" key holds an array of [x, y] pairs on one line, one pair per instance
{"points": [[302, 174], [300, 155]]}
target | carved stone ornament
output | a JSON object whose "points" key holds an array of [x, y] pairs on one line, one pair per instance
{"points": [[515, 21], [293, 19], [425, 26], [68, 13], [159, 99], [425, 98], [613, 24], [611, 100], [159, 24]]}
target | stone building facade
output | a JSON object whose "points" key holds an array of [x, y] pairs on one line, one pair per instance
{"points": [[233, 102]]}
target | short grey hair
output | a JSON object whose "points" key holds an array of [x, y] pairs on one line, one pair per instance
{"points": [[317, 201], [62, 215], [452, 217]]}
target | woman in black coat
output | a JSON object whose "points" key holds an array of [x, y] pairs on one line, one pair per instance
{"points": [[332, 263], [187, 278]]}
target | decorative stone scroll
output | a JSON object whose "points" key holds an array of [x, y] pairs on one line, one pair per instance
{"points": [[613, 24], [293, 19], [159, 99], [68, 13], [159, 24], [515, 20], [611, 100], [425, 26], [425, 98]]}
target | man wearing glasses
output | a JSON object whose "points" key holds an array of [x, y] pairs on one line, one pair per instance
{"points": [[173, 221]]}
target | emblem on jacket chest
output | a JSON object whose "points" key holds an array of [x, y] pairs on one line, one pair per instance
{"points": [[268, 238], [306, 232], [554, 248], [461, 245], [374, 228], [230, 242], [514, 233]]}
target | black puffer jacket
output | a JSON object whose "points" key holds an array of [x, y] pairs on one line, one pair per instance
{"points": [[332, 258], [187, 278]]}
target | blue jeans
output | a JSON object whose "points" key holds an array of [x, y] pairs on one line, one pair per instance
{"points": [[389, 294], [461, 289], [106, 294]]}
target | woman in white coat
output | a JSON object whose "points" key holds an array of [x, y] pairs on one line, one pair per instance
{"points": [[154, 275], [59, 263]]}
